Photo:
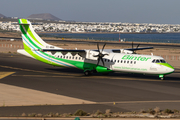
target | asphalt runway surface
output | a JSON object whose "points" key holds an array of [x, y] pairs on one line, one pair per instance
{"points": [[120, 92]]}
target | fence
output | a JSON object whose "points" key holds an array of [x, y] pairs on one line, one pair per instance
{"points": [[11, 46]]}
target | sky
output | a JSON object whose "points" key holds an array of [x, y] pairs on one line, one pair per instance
{"points": [[130, 11]]}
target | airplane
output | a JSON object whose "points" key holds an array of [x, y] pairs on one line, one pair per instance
{"points": [[92, 60]]}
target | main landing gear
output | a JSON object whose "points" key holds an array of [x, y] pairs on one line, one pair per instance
{"points": [[87, 72]]}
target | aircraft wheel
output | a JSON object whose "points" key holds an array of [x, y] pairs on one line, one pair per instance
{"points": [[162, 77], [87, 73]]}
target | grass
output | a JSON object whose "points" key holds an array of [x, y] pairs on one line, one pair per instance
{"points": [[168, 111], [80, 113], [109, 114]]}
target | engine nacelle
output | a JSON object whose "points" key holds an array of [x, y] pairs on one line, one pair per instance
{"points": [[126, 51]]}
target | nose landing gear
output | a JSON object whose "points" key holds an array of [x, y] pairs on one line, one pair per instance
{"points": [[162, 77]]}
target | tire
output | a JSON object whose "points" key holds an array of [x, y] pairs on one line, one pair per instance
{"points": [[162, 78], [87, 73]]}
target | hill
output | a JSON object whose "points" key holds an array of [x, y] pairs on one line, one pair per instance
{"points": [[2, 16], [43, 16]]}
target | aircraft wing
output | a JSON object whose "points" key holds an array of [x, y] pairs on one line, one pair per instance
{"points": [[61, 50], [142, 48], [83, 51]]}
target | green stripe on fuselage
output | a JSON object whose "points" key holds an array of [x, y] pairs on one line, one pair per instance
{"points": [[166, 64], [79, 64]]}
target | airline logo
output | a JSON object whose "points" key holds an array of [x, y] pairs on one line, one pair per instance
{"points": [[137, 58]]}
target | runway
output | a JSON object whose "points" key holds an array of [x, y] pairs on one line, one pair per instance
{"points": [[66, 90]]}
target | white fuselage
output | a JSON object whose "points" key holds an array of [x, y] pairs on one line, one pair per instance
{"points": [[121, 62]]}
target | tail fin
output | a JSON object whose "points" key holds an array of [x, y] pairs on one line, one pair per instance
{"points": [[30, 39]]}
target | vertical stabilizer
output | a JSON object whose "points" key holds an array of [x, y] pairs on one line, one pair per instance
{"points": [[30, 39]]}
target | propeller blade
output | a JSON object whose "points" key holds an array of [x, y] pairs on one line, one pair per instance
{"points": [[137, 46], [100, 55], [98, 62], [105, 54], [102, 60], [95, 55], [132, 45], [98, 47], [103, 47], [135, 49]]}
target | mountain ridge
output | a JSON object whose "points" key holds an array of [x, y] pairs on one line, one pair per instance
{"points": [[43, 16], [2, 16]]}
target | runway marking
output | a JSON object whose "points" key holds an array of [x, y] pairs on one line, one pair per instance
{"points": [[32, 70], [4, 74], [158, 101]]}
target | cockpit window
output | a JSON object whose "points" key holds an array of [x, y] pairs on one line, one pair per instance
{"points": [[163, 61], [158, 61]]}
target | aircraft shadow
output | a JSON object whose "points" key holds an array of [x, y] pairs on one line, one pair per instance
{"points": [[112, 74]]}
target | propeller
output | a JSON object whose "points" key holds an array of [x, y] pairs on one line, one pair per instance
{"points": [[134, 49], [100, 55]]}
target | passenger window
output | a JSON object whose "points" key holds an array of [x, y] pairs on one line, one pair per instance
{"points": [[114, 60], [108, 60], [104, 60], [134, 62], [124, 61], [157, 61], [111, 60], [118, 61], [76, 58], [121, 61], [153, 61], [79, 58], [131, 62], [70, 57], [66, 57], [61, 56], [127, 61]]}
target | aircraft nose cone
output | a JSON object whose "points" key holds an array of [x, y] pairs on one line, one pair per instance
{"points": [[170, 69]]}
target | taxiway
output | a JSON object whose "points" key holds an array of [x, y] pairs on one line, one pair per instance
{"points": [[46, 89]]}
